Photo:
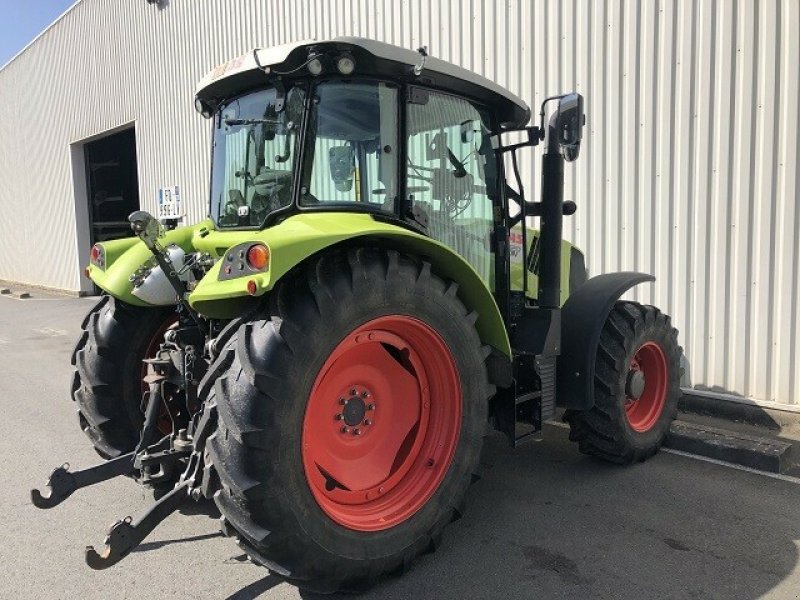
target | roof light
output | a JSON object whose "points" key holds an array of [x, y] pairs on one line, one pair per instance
{"points": [[346, 64], [203, 108], [258, 257], [315, 66]]}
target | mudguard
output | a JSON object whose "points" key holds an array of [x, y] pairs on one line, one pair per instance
{"points": [[302, 236], [582, 317]]}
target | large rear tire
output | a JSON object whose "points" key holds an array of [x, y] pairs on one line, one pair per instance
{"points": [[350, 420], [107, 380], [636, 387]]}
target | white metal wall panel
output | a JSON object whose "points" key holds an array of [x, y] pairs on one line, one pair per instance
{"points": [[689, 168]]}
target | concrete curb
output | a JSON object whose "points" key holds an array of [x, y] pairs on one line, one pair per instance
{"points": [[11, 286], [757, 452], [753, 414], [14, 294]]}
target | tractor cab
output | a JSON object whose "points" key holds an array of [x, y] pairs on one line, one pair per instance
{"points": [[355, 125]]}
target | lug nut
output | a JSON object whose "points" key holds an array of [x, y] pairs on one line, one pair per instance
{"points": [[365, 394], [344, 429], [341, 401], [356, 432], [353, 392], [367, 422], [339, 417], [370, 407]]}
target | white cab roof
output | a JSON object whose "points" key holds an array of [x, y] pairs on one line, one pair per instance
{"points": [[271, 59]]}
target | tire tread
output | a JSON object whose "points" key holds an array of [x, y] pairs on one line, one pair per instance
{"points": [[602, 431]]}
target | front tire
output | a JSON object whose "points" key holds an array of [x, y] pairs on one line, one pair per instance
{"points": [[636, 387], [317, 484]]}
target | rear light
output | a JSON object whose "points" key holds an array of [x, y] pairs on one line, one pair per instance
{"points": [[97, 256], [252, 288], [258, 257]]}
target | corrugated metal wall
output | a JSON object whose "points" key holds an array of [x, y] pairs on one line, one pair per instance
{"points": [[689, 168]]}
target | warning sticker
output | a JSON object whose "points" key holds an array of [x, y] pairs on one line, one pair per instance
{"points": [[515, 246]]}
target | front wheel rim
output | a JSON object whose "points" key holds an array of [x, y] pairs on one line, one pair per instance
{"points": [[382, 423], [644, 411]]}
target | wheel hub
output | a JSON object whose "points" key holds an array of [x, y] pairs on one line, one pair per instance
{"points": [[634, 387], [646, 387], [354, 410]]}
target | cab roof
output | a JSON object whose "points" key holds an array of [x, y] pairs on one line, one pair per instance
{"points": [[372, 58]]}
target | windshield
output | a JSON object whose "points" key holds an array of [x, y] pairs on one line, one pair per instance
{"points": [[254, 157], [352, 146]]}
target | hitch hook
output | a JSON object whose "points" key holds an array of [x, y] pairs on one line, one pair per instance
{"points": [[60, 486], [125, 535], [63, 482]]}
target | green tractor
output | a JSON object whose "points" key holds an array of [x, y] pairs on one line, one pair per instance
{"points": [[324, 354]]}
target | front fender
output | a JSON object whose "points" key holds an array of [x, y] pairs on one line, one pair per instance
{"points": [[302, 236], [582, 317]]}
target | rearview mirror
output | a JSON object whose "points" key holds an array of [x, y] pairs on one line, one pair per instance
{"points": [[342, 165], [570, 125], [269, 130]]}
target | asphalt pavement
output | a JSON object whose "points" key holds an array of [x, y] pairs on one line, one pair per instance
{"points": [[542, 522]]}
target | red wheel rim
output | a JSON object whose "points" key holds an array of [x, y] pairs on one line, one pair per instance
{"points": [[644, 411], [164, 420], [382, 423]]}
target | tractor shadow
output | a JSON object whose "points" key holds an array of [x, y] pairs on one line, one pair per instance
{"points": [[544, 521], [148, 546], [257, 589]]}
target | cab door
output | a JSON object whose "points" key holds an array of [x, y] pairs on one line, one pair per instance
{"points": [[451, 175]]}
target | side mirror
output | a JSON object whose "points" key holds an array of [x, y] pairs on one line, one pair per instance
{"points": [[287, 153], [269, 122], [571, 120], [342, 164], [146, 227], [467, 132]]}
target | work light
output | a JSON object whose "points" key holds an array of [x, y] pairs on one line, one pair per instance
{"points": [[315, 66], [346, 64]]}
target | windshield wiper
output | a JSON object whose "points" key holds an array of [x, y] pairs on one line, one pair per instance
{"points": [[460, 167], [252, 121]]}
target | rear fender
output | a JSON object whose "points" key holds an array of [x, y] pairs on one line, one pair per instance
{"points": [[302, 237], [472, 291], [583, 316]]}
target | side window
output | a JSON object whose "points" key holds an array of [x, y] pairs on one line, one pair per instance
{"points": [[451, 175]]}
